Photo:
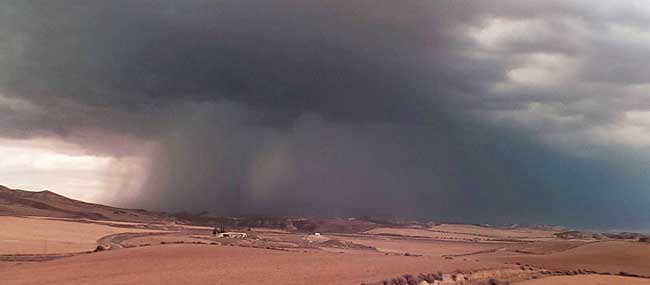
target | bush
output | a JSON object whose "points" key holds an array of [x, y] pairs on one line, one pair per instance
{"points": [[429, 277], [410, 280]]}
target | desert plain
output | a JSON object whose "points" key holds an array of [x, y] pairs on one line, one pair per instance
{"points": [[50, 239]]}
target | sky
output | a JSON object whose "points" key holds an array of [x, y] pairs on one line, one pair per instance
{"points": [[466, 111]]}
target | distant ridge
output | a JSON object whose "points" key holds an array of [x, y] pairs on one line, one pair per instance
{"points": [[49, 204]]}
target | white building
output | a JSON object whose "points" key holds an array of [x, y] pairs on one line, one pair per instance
{"points": [[232, 235]]}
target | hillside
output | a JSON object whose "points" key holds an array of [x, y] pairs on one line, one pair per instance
{"points": [[46, 203]]}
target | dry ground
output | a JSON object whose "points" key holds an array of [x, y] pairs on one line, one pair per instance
{"points": [[471, 233], [143, 255], [161, 239], [42, 236], [547, 247], [606, 256], [212, 264], [48, 204], [586, 280], [495, 233], [420, 246], [425, 233]]}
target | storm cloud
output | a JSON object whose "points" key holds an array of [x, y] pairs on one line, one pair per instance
{"points": [[516, 111]]}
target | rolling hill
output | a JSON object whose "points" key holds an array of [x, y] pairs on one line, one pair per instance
{"points": [[49, 204]]}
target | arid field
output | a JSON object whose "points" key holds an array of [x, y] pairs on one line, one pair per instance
{"points": [[587, 279], [42, 236], [81, 243], [205, 264]]}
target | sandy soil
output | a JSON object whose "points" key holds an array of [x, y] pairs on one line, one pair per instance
{"points": [[586, 279], [38, 236], [8, 264], [211, 264]]}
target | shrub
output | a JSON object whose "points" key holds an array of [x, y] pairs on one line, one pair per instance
{"points": [[439, 276], [410, 280], [429, 277]]}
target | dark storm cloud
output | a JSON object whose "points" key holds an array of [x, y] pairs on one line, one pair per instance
{"points": [[429, 109], [280, 56]]}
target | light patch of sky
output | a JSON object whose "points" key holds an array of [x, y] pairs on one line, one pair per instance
{"points": [[38, 165], [561, 129], [623, 134], [497, 31], [633, 130], [543, 69]]}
